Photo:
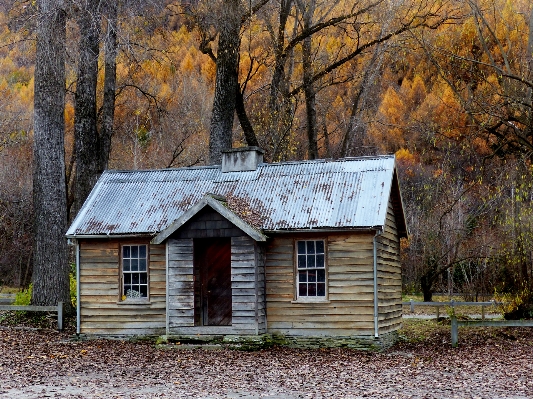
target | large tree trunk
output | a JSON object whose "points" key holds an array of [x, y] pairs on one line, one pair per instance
{"points": [[310, 100], [85, 119], [51, 268], [110, 83], [308, 10], [220, 137]]}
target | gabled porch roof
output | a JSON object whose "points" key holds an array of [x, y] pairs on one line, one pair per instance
{"points": [[218, 204]]}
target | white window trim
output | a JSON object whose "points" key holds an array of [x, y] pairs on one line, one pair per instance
{"points": [[310, 299], [122, 296]]}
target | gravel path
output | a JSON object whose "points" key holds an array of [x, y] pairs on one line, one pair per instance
{"points": [[493, 364]]}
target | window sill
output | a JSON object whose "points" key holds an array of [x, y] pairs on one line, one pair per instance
{"points": [[135, 302], [311, 300]]}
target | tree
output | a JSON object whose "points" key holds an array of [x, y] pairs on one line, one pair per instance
{"points": [[488, 66], [220, 137], [51, 268], [87, 152]]}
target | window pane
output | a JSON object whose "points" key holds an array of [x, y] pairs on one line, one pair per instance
{"points": [[311, 261], [321, 289], [320, 247], [301, 261], [134, 265], [301, 247], [126, 265], [144, 291], [126, 288], [311, 275], [142, 251], [135, 278], [320, 261], [134, 251], [302, 276], [311, 290], [126, 251], [142, 265], [127, 278], [310, 247], [143, 278], [302, 289], [321, 275]]}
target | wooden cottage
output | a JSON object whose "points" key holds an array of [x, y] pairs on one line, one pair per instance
{"points": [[306, 249]]}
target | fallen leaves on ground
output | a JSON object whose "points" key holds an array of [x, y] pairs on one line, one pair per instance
{"points": [[489, 363]]}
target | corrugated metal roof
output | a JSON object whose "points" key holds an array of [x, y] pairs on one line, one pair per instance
{"points": [[347, 193]]}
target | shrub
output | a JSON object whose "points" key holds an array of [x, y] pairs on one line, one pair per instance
{"points": [[23, 297], [517, 305]]}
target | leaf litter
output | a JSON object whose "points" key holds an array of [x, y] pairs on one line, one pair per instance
{"points": [[489, 363]]}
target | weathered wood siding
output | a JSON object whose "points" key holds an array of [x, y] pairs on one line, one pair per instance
{"points": [[180, 303], [247, 286], [247, 278], [348, 309], [101, 310], [389, 276], [208, 223]]}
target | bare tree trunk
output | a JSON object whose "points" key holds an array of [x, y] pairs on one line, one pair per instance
{"points": [[308, 10], [279, 69], [310, 101], [85, 119], [220, 137], [246, 125], [51, 268], [110, 84]]}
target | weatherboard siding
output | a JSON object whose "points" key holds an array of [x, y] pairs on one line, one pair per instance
{"points": [[101, 310], [389, 276], [180, 283], [247, 280], [348, 309]]}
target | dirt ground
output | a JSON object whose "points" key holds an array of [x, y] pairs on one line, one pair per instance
{"points": [[489, 363]]}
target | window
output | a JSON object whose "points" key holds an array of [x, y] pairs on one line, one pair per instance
{"points": [[134, 272], [311, 269]]}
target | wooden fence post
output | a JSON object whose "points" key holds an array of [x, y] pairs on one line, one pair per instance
{"points": [[455, 332], [60, 316], [412, 306]]}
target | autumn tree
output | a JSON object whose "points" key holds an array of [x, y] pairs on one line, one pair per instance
{"points": [[488, 66], [50, 268], [87, 154]]}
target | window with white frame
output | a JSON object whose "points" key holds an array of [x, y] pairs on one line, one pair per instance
{"points": [[311, 268], [134, 272]]}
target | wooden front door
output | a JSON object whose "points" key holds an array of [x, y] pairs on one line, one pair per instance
{"points": [[212, 263]]}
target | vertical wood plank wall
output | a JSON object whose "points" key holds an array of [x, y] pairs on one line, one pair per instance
{"points": [[101, 310], [349, 309], [389, 276], [180, 284]]}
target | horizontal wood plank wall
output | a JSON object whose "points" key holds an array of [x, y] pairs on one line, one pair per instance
{"points": [[101, 309], [245, 286], [260, 287], [180, 284], [389, 276], [349, 309]]}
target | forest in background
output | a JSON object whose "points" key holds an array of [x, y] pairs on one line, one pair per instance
{"points": [[445, 85]]}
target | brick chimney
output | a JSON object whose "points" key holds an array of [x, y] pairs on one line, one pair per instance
{"points": [[241, 159]]}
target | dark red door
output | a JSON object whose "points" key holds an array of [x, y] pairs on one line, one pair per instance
{"points": [[213, 263]]}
